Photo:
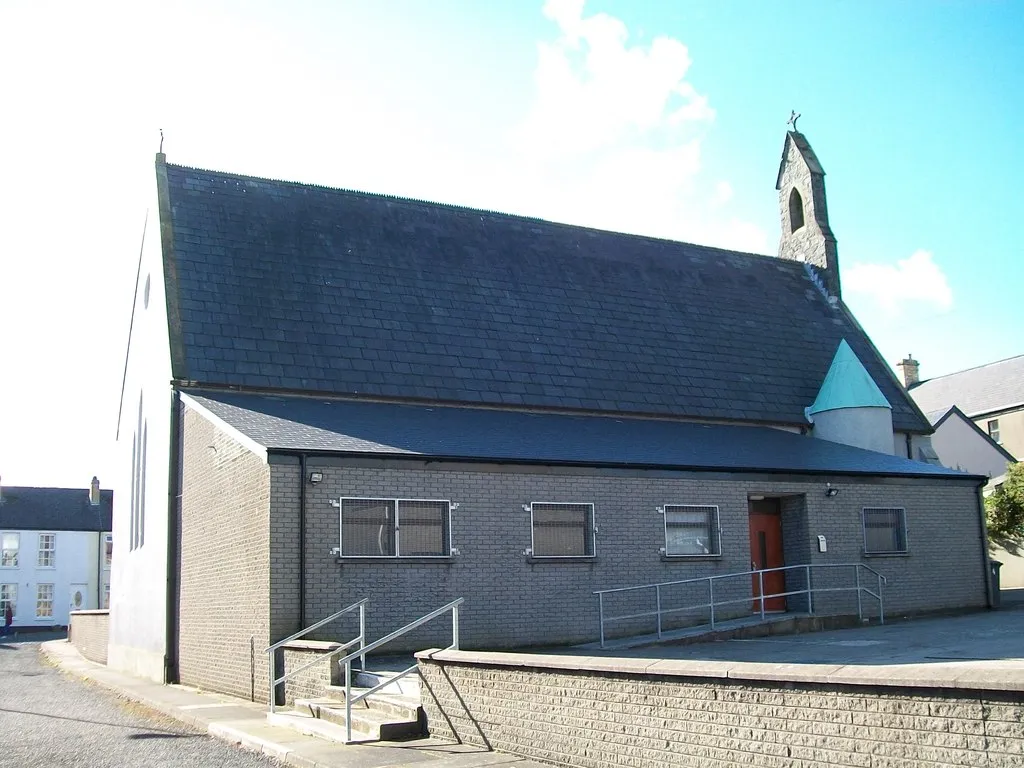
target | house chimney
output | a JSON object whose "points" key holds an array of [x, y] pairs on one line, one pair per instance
{"points": [[909, 367], [94, 492]]}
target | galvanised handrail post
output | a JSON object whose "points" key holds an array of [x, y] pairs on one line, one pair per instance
{"points": [[657, 596], [711, 599], [273, 677], [760, 579], [881, 601], [810, 591], [362, 636], [348, 699], [600, 608], [455, 626], [860, 608]]}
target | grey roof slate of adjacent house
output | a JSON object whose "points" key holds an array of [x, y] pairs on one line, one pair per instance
{"points": [[282, 286], [988, 388], [303, 424], [54, 509]]}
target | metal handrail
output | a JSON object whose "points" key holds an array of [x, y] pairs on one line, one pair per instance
{"points": [[453, 606], [712, 603], [360, 638]]}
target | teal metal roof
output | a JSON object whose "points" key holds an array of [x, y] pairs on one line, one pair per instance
{"points": [[847, 385]]}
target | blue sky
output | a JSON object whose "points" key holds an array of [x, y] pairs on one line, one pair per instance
{"points": [[651, 117]]}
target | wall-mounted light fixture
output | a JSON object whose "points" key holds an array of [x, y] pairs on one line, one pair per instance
{"points": [[831, 492], [316, 477]]}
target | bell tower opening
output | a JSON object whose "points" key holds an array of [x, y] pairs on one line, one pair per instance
{"points": [[796, 210]]}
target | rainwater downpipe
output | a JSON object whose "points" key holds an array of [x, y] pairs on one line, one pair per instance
{"points": [[173, 493], [910, 446], [985, 563], [302, 541]]}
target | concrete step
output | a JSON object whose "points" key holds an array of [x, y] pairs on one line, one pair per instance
{"points": [[307, 724], [397, 704], [406, 686], [376, 724]]}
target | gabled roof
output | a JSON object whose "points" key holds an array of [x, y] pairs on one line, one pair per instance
{"points": [[988, 388], [938, 418], [847, 385], [281, 286], [804, 146], [54, 509], [480, 435]]}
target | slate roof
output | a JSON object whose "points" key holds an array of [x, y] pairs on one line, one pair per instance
{"points": [[478, 434], [988, 388], [54, 509], [291, 287]]}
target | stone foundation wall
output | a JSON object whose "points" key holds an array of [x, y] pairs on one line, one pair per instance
{"points": [[591, 713], [88, 632]]}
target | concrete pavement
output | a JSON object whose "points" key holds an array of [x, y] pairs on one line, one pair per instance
{"points": [[245, 723]]}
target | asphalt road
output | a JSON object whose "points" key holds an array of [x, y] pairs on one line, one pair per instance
{"points": [[50, 719]]}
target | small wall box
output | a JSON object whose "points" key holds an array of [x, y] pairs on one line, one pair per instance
{"points": [[822, 544]]}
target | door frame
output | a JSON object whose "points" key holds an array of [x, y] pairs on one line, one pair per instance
{"points": [[773, 582]]}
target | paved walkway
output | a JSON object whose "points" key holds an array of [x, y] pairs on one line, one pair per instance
{"points": [[244, 723]]}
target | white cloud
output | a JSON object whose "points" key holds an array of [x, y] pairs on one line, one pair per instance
{"points": [[613, 137], [914, 282]]}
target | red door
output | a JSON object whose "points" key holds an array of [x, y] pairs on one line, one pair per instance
{"points": [[766, 552]]}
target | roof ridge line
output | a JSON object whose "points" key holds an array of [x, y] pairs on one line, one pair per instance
{"points": [[471, 209], [967, 370]]}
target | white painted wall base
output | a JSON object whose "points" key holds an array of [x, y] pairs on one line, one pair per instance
{"points": [[143, 664]]}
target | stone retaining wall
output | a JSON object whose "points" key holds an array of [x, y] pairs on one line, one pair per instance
{"points": [[595, 712], [88, 632], [312, 682]]}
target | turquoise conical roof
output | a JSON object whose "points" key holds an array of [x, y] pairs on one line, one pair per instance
{"points": [[847, 385]]}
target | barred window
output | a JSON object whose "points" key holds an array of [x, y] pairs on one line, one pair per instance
{"points": [[9, 543], [8, 596], [44, 601], [885, 530], [47, 550], [691, 530], [395, 528], [562, 530]]}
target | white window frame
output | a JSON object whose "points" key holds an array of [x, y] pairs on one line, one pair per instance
{"points": [[42, 601], [51, 550], [106, 596], [4, 550], [108, 551], [12, 598], [397, 528], [903, 527], [592, 519], [714, 530], [993, 430]]}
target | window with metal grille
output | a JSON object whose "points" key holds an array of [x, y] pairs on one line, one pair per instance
{"points": [[47, 550], [9, 550], [8, 596], [885, 530], [562, 530], [691, 530], [44, 601], [395, 528]]}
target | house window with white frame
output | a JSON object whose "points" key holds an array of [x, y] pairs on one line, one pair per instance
{"points": [[691, 530], [44, 601], [106, 596], [9, 543], [47, 550], [8, 596], [395, 528], [108, 550], [885, 530], [993, 430], [562, 530]]}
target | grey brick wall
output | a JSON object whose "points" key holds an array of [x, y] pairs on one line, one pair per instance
{"points": [[312, 682], [590, 719], [88, 632], [225, 560], [512, 602]]}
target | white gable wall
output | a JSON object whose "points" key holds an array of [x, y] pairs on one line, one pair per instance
{"points": [[138, 601], [959, 446]]}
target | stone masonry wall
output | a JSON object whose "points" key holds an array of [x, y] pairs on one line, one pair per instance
{"points": [[88, 632], [225, 558], [592, 718], [312, 682], [513, 601]]}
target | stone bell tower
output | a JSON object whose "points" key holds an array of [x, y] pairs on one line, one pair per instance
{"points": [[806, 234]]}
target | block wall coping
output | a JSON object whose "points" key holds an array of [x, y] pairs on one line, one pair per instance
{"points": [[92, 612], [1007, 675], [311, 645]]}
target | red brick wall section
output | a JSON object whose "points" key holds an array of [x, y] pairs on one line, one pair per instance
{"points": [[88, 633], [225, 561]]}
